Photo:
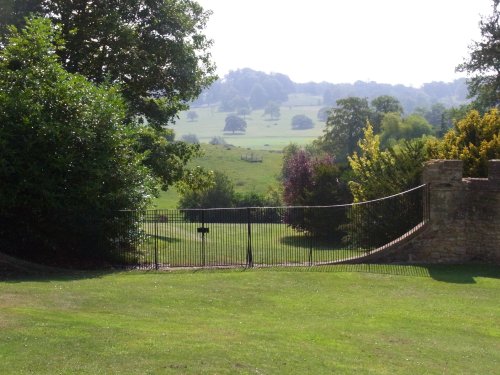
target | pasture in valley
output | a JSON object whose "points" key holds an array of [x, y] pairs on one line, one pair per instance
{"points": [[262, 133], [264, 138], [245, 176]]}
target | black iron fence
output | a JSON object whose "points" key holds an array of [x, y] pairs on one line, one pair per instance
{"points": [[263, 236]]}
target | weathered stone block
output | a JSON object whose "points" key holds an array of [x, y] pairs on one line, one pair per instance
{"points": [[494, 170], [464, 221]]}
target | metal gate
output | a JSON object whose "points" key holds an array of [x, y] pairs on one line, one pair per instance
{"points": [[266, 236]]}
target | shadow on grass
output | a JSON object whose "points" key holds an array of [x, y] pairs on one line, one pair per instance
{"points": [[463, 274], [15, 270], [456, 274], [20, 276]]}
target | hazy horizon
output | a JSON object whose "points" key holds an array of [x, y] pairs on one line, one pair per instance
{"points": [[388, 41], [346, 83]]}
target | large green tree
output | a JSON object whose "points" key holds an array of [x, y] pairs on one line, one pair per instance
{"points": [[154, 49], [382, 105], [302, 122], [386, 103], [67, 160], [483, 63], [234, 124], [258, 96], [395, 128], [344, 127]]}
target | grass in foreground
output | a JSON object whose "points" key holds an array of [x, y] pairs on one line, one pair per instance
{"points": [[391, 320]]}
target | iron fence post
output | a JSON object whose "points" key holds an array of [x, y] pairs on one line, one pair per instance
{"points": [[203, 238], [249, 243], [155, 218], [310, 249]]}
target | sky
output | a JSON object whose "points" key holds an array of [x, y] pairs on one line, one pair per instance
{"points": [[343, 41]]}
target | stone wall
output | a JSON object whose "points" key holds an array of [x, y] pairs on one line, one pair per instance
{"points": [[464, 225]]}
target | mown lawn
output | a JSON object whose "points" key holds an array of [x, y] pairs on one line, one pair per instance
{"points": [[346, 320]]}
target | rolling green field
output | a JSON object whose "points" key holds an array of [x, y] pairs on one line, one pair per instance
{"points": [[261, 134], [245, 176], [264, 137], [385, 320]]}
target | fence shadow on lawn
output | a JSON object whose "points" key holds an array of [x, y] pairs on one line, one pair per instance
{"points": [[455, 274]]}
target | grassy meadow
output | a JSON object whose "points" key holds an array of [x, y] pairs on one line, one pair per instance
{"points": [[245, 176], [262, 133], [264, 138], [347, 320]]}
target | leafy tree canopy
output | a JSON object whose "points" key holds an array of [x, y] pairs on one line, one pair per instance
{"points": [[219, 194], [302, 122], [235, 124], [474, 139], [190, 138], [259, 97], [438, 116], [377, 173], [154, 49], [218, 141], [345, 125], [323, 114], [483, 63], [386, 103], [396, 128], [382, 105]]}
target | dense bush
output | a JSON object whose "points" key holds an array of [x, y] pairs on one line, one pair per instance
{"points": [[395, 128], [67, 164], [190, 138], [218, 140], [221, 194], [475, 139], [310, 181], [380, 173]]}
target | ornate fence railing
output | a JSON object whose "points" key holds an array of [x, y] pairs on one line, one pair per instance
{"points": [[266, 236]]}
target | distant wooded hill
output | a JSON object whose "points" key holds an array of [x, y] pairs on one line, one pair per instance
{"points": [[245, 89]]}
